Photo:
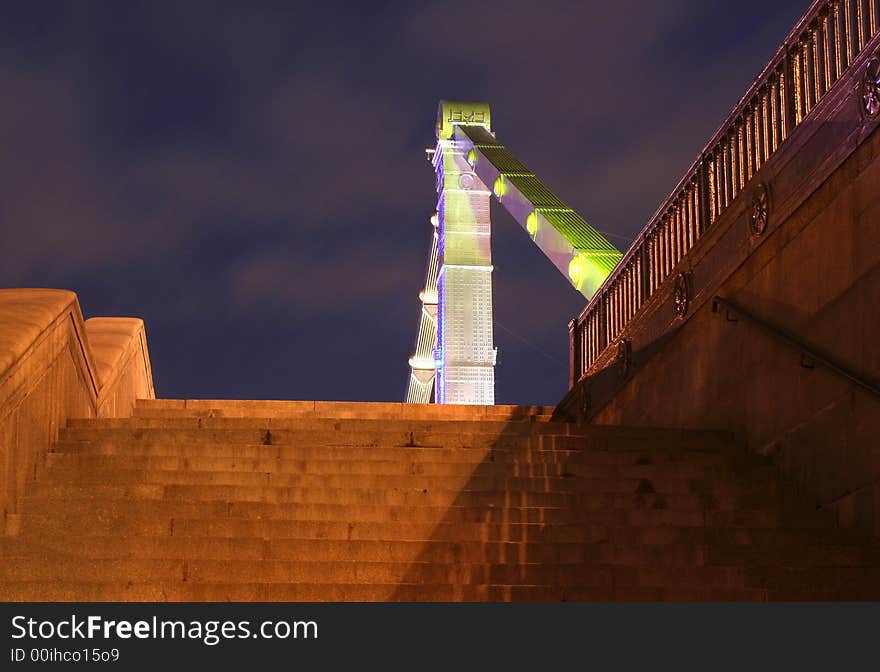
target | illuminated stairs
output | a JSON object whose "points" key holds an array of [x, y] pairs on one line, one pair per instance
{"points": [[302, 501]]}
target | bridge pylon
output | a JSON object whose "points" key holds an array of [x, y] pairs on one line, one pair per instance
{"points": [[466, 159]]}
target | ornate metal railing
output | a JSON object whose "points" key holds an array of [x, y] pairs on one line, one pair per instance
{"points": [[814, 56]]}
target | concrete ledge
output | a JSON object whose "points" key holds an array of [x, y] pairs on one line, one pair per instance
{"points": [[119, 345], [231, 408], [24, 315], [49, 372]]}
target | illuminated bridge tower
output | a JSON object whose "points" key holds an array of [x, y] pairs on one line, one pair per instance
{"points": [[457, 300], [465, 353]]}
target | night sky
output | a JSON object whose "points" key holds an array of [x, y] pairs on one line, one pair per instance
{"points": [[251, 180]]}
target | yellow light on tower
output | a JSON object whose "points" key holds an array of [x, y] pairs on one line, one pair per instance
{"points": [[532, 224], [577, 270], [500, 187]]}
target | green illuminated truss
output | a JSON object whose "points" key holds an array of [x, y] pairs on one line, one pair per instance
{"points": [[578, 250]]}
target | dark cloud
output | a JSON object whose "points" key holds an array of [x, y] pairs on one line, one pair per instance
{"points": [[251, 179]]}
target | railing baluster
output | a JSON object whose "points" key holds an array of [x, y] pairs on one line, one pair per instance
{"points": [[858, 26], [809, 74], [664, 255], [612, 313], [875, 16], [831, 43], [725, 170], [714, 188], [631, 291], [822, 54], [673, 239], [618, 306], [676, 218], [815, 63], [758, 131], [621, 301], [772, 114], [845, 34], [750, 143], [766, 120], [734, 163], [798, 80], [658, 242], [691, 216], [653, 261], [685, 223], [652, 264], [643, 286], [661, 234], [615, 310], [685, 233], [837, 42]]}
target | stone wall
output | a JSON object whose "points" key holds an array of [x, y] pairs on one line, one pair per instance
{"points": [[50, 370], [817, 275]]}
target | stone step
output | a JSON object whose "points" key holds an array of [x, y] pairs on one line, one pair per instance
{"points": [[275, 500], [240, 496], [435, 414], [159, 448], [438, 551], [667, 479], [612, 577], [333, 409], [441, 529], [306, 496], [620, 454], [859, 583], [485, 435], [69, 591], [347, 488], [777, 554], [321, 438], [413, 461], [313, 550], [346, 571], [845, 593], [88, 518], [587, 498], [299, 495], [329, 425], [483, 425], [584, 506], [155, 514]]}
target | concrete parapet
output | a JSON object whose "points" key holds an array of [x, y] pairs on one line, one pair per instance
{"points": [[55, 366], [119, 345]]}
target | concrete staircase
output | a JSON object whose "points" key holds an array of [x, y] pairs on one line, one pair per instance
{"points": [[302, 501]]}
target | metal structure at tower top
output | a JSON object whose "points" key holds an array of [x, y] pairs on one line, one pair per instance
{"points": [[466, 159]]}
